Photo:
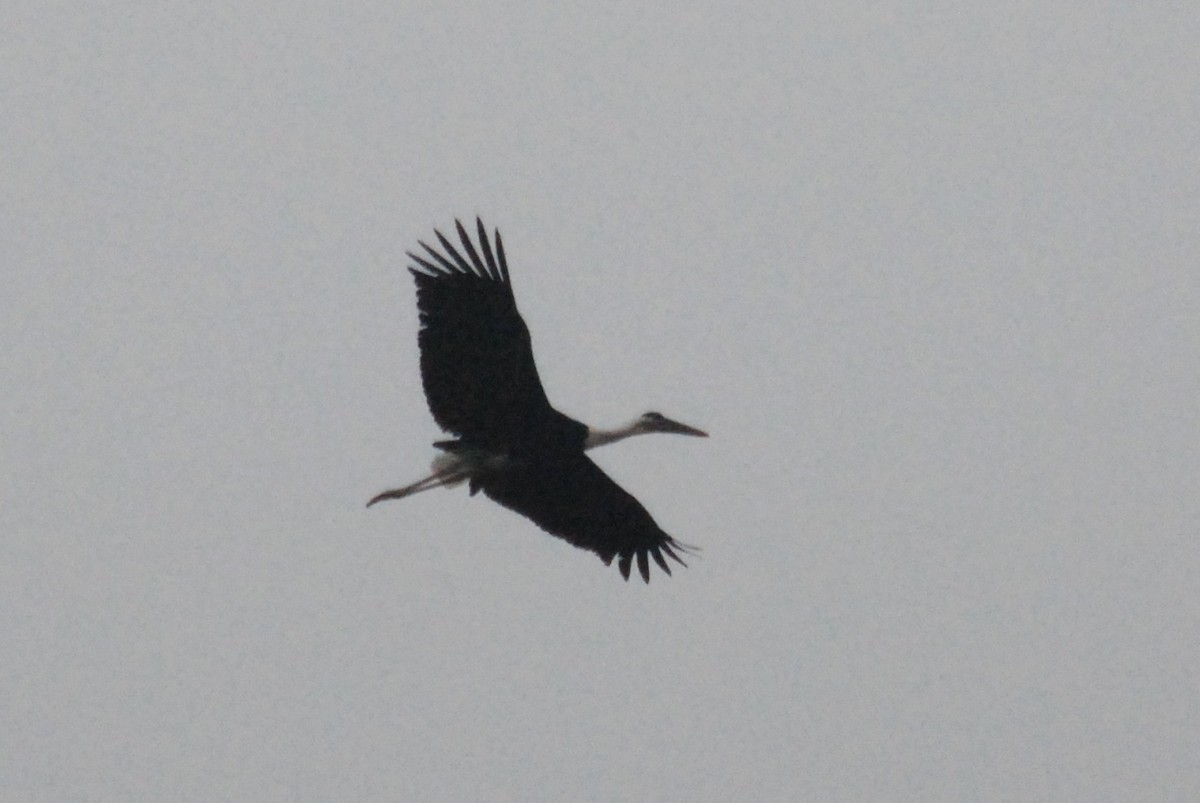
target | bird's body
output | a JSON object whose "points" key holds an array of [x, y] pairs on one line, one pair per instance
{"points": [[482, 386]]}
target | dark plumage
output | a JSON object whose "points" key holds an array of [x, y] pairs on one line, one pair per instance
{"points": [[476, 358], [482, 386]]}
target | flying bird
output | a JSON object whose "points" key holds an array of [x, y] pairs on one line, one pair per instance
{"points": [[482, 387]]}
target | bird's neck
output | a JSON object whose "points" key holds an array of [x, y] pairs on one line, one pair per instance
{"points": [[600, 437]]}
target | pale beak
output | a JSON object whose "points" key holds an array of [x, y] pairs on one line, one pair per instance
{"points": [[667, 425]]}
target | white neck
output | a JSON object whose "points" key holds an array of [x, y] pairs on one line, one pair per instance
{"points": [[600, 437]]}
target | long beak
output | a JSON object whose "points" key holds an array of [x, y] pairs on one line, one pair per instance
{"points": [[667, 425]]}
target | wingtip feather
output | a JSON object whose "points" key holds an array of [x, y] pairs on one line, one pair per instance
{"points": [[501, 259], [643, 565], [488, 256], [480, 268], [656, 553], [453, 252]]}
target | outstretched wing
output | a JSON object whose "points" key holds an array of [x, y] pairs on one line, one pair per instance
{"points": [[476, 360], [570, 497]]}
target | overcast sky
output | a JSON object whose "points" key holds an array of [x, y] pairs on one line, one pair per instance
{"points": [[927, 274]]}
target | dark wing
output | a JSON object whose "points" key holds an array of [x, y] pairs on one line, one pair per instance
{"points": [[569, 496], [476, 360]]}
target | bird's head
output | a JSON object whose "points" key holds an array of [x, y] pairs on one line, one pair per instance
{"points": [[657, 422], [642, 425]]}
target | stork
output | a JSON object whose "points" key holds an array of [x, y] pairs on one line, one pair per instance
{"points": [[482, 386]]}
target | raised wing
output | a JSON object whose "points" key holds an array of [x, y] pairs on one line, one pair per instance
{"points": [[476, 360], [570, 497]]}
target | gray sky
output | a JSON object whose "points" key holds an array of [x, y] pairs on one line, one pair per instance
{"points": [[927, 275]]}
